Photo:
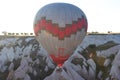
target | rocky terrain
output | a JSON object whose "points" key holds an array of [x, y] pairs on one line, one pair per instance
{"points": [[96, 58]]}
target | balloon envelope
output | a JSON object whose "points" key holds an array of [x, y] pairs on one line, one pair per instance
{"points": [[60, 28]]}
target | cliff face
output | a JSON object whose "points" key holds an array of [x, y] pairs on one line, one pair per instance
{"points": [[17, 53]]}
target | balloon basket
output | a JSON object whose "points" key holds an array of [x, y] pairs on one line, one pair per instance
{"points": [[59, 69]]}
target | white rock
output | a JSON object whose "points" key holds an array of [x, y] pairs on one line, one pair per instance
{"points": [[27, 77], [11, 67]]}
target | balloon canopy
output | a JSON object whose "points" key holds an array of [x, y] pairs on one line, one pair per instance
{"points": [[60, 28]]}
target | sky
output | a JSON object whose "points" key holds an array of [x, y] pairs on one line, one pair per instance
{"points": [[18, 15]]}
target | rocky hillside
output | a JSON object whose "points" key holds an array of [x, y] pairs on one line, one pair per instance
{"points": [[97, 57]]}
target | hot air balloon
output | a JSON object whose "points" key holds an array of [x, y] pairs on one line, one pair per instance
{"points": [[60, 28]]}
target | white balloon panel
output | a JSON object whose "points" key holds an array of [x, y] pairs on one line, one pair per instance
{"points": [[52, 44]]}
